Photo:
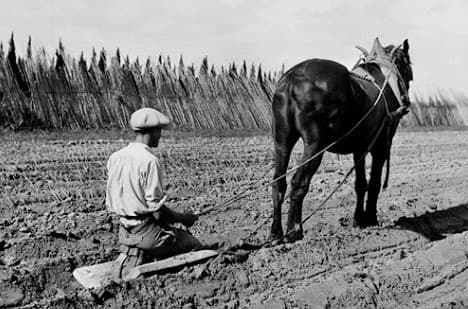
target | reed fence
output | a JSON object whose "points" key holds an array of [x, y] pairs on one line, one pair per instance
{"points": [[63, 92]]}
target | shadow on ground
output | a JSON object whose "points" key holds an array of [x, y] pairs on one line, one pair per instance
{"points": [[435, 225]]}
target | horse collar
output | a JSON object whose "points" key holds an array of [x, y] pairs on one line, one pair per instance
{"points": [[390, 71], [359, 72]]}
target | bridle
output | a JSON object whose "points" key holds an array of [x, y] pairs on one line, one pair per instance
{"points": [[388, 67], [387, 61]]}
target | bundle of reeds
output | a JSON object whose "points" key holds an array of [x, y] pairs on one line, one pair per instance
{"points": [[65, 92], [443, 109]]}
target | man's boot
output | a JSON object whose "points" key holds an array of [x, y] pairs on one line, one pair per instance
{"points": [[129, 257]]}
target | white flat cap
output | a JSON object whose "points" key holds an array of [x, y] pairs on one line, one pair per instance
{"points": [[146, 117]]}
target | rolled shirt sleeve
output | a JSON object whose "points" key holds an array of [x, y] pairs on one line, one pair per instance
{"points": [[154, 194]]}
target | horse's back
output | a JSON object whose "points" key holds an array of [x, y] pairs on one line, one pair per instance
{"points": [[313, 90]]}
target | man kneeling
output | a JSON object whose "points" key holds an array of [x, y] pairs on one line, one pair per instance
{"points": [[135, 193]]}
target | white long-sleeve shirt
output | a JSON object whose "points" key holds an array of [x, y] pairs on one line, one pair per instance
{"points": [[134, 185]]}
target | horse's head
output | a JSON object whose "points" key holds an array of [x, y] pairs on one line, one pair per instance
{"points": [[401, 58], [395, 56]]}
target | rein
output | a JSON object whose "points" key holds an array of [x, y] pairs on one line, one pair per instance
{"points": [[250, 189], [384, 62], [389, 62]]}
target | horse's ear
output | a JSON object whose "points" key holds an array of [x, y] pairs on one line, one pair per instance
{"points": [[405, 45]]}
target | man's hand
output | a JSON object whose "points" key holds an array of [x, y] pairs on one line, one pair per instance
{"points": [[167, 215], [189, 219]]}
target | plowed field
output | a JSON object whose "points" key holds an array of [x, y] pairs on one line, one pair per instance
{"points": [[52, 220]]}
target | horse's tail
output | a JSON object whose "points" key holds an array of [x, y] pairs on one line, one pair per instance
{"points": [[387, 174], [391, 133], [284, 94]]}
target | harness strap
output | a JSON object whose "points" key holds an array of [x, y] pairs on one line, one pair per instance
{"points": [[389, 66], [361, 73]]}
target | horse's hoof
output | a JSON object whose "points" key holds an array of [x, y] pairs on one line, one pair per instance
{"points": [[293, 236], [275, 242], [372, 222], [371, 219], [363, 223], [276, 237], [359, 223]]}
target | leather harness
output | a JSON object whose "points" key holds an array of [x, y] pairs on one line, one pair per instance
{"points": [[359, 72]]}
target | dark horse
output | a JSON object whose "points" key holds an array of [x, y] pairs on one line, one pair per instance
{"points": [[320, 101]]}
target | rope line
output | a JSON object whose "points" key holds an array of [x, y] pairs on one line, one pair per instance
{"points": [[371, 144], [246, 193], [342, 181], [236, 197]]}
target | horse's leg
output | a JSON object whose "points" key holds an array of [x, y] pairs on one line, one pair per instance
{"points": [[283, 149], [299, 187], [375, 181], [360, 186]]}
